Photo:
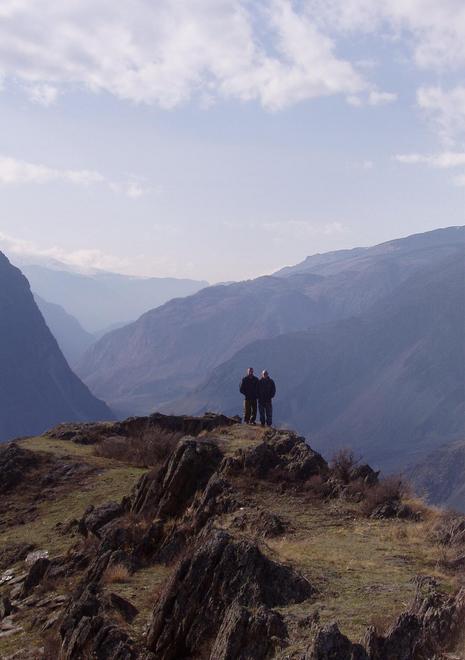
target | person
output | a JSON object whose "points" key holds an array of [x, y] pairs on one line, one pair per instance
{"points": [[266, 392], [249, 388]]}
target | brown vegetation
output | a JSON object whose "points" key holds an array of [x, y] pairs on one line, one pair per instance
{"points": [[147, 449]]}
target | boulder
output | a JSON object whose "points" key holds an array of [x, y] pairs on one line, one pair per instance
{"points": [[218, 573], [15, 463], [331, 644], [95, 518], [171, 491]]}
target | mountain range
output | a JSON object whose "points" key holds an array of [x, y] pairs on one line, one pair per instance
{"points": [[387, 383], [349, 335], [99, 300], [37, 387]]}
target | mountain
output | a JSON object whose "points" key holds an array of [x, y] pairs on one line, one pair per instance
{"points": [[171, 350], [388, 383], [72, 339], [99, 299], [37, 387], [179, 537], [440, 476]]}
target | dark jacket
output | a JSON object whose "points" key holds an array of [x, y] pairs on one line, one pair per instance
{"points": [[249, 387], [266, 389]]}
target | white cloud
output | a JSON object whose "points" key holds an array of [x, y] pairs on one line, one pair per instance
{"points": [[42, 94], [84, 259], [381, 98], [446, 108], [444, 160], [167, 52], [13, 171], [300, 229]]}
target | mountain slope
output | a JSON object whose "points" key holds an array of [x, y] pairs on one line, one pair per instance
{"points": [[37, 387], [100, 299], [389, 383], [440, 477], [72, 339], [173, 348]]}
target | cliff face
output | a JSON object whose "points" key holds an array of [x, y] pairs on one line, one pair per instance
{"points": [[37, 387]]}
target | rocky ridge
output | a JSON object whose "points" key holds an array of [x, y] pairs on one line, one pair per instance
{"points": [[219, 519]]}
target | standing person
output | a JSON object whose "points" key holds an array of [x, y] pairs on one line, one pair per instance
{"points": [[249, 388], [266, 392]]}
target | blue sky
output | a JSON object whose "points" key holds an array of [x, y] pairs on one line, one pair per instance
{"points": [[222, 140]]}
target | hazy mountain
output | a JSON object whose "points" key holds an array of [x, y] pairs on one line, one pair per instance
{"points": [[171, 350], [440, 477], [69, 333], [99, 299], [37, 387], [388, 384]]}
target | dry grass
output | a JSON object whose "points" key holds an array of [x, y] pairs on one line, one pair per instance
{"points": [[116, 574], [150, 448], [342, 464], [387, 490]]}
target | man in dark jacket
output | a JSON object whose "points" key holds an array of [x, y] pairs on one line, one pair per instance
{"points": [[266, 392], [249, 388]]}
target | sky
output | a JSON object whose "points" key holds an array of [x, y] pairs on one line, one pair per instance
{"points": [[224, 139]]}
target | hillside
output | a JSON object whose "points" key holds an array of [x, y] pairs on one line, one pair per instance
{"points": [[229, 543], [388, 384], [72, 339], [37, 387], [171, 350], [440, 476], [100, 300]]}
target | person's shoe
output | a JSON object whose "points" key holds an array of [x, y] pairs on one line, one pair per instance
{"points": [[262, 423], [254, 423]]}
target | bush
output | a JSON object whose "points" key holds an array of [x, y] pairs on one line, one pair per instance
{"points": [[389, 491], [148, 449], [342, 464], [116, 573]]}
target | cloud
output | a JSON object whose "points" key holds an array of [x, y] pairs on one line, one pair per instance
{"points": [[168, 52], [44, 94], [13, 171], [446, 109], [444, 160], [83, 259], [300, 229]]}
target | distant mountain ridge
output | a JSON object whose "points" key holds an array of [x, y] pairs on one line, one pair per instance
{"points": [[388, 384], [37, 387], [171, 350], [440, 476], [99, 300], [72, 339]]}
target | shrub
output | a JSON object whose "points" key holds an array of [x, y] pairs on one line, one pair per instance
{"points": [[147, 449], [342, 464], [116, 573], [390, 490]]}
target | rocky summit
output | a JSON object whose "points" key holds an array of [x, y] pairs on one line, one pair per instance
{"points": [[168, 537]]}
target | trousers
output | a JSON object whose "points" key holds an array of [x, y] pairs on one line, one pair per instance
{"points": [[266, 412], [250, 410]]}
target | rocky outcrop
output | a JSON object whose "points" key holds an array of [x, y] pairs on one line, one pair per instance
{"points": [[15, 463], [171, 491], [220, 572], [87, 632], [283, 456], [331, 644]]}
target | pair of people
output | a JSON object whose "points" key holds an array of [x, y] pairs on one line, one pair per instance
{"points": [[254, 389]]}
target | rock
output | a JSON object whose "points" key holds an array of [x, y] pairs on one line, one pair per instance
{"points": [[331, 644], [217, 574], [283, 456], [172, 490], [32, 557], [35, 575], [5, 607], [364, 473], [15, 463], [246, 635], [123, 606], [95, 518], [184, 424], [87, 633], [14, 552], [259, 522]]}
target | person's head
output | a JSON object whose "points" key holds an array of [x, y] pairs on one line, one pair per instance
{"points": [[250, 371], [265, 373]]}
